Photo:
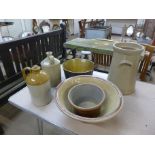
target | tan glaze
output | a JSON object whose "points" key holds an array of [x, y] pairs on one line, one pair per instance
{"points": [[88, 113], [78, 66], [34, 76]]}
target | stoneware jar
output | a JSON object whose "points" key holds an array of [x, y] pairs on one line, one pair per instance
{"points": [[38, 84], [124, 66], [51, 66]]}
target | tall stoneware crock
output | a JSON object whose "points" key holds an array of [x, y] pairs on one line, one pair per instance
{"points": [[38, 84], [124, 66], [51, 66]]}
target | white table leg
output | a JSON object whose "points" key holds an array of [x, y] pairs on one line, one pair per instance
{"points": [[40, 126]]}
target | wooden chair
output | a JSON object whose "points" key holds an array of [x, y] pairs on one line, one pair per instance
{"points": [[94, 22], [143, 66], [82, 24], [152, 62]]}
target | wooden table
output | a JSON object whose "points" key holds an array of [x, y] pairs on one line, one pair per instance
{"points": [[136, 117], [100, 46]]}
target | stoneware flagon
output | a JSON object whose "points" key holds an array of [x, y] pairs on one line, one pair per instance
{"points": [[51, 66], [124, 66], [38, 84]]}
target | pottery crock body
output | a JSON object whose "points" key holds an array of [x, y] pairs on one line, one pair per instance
{"points": [[38, 84], [75, 67], [124, 66], [51, 66]]}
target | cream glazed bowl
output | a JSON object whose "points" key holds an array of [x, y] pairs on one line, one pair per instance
{"points": [[112, 105], [86, 99]]}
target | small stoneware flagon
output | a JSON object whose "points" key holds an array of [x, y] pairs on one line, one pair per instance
{"points": [[38, 84], [51, 66]]}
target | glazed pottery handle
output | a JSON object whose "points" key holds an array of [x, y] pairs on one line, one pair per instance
{"points": [[25, 72], [126, 62]]}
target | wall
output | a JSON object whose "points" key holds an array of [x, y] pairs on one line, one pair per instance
{"points": [[25, 25], [22, 25], [76, 26], [117, 24], [19, 26]]}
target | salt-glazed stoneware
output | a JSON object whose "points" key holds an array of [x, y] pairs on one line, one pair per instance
{"points": [[112, 105], [74, 67], [86, 99], [38, 84], [51, 66], [124, 66]]}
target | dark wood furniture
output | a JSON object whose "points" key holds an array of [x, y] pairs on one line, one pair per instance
{"points": [[93, 23], [101, 59], [82, 24], [17, 54], [143, 66]]}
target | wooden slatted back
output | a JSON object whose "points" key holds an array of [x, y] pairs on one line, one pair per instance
{"points": [[101, 59], [17, 54]]}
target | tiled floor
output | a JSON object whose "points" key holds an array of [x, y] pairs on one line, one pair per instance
{"points": [[17, 122]]}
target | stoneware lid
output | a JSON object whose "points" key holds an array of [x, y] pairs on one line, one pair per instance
{"points": [[50, 60]]}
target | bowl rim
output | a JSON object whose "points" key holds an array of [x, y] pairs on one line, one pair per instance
{"points": [[90, 70], [91, 108], [86, 119], [128, 51]]}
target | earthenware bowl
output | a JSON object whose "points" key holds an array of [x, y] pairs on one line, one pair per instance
{"points": [[74, 67], [86, 99], [112, 105]]}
